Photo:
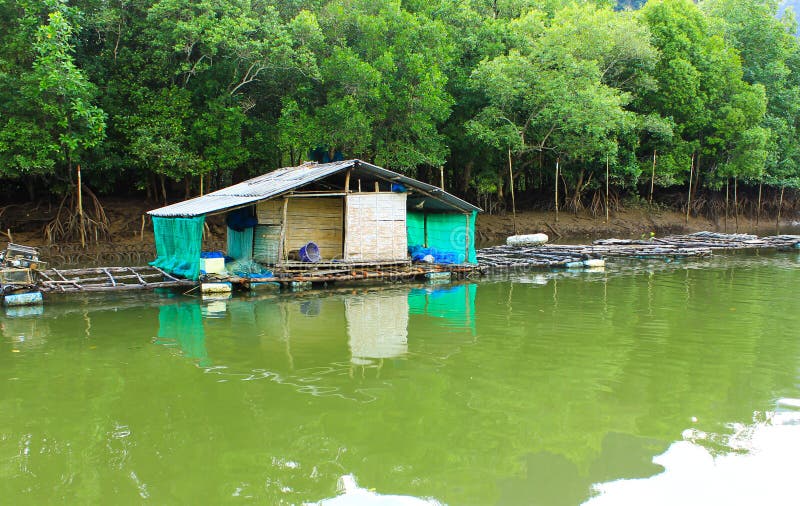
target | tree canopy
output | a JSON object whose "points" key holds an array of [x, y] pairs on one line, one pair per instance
{"points": [[151, 95]]}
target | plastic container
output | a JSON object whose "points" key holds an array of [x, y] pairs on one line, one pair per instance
{"points": [[309, 253], [23, 299], [527, 240], [212, 265]]}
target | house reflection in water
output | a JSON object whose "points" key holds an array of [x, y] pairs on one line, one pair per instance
{"points": [[301, 333], [377, 326]]}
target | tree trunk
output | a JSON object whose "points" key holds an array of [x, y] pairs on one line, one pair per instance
{"points": [[80, 208], [736, 203], [607, 183], [511, 187], [758, 207], [558, 160], [778, 219], [163, 188], [727, 187], [652, 176], [466, 175], [689, 200]]}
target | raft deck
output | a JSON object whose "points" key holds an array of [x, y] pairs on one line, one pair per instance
{"points": [[107, 279], [494, 258], [699, 244]]}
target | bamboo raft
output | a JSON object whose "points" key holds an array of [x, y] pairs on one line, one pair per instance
{"points": [[712, 241], [107, 279], [547, 256], [388, 272], [700, 244]]}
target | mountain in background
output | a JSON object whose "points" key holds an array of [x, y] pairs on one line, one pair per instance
{"points": [[784, 4], [634, 4]]}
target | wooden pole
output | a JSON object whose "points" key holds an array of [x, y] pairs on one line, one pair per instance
{"points": [[201, 184], [727, 187], [758, 207], [282, 241], [511, 186], [689, 200], [651, 194], [467, 238], [80, 208], [778, 219], [557, 162], [441, 176], [736, 203], [653, 176]]}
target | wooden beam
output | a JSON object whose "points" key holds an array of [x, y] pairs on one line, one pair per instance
{"points": [[282, 240]]}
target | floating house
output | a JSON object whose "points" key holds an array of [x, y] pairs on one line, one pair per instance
{"points": [[342, 214]]}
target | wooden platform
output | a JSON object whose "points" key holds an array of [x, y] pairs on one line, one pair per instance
{"points": [[389, 272], [105, 279]]}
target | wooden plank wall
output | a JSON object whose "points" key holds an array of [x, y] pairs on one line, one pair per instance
{"points": [[376, 227], [316, 219]]}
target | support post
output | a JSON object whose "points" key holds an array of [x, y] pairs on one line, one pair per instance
{"points": [[282, 241], [80, 208], [758, 207], [689, 200], [441, 176], [467, 237], [607, 174], [736, 203], [511, 187], [557, 162], [653, 176], [727, 187]]}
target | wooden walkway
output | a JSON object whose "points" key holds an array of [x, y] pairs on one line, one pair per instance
{"points": [[105, 279]]}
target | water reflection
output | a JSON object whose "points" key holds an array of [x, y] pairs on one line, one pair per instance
{"points": [[761, 469], [182, 325], [543, 389], [23, 327]]}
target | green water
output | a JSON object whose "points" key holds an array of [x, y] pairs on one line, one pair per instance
{"points": [[649, 383]]}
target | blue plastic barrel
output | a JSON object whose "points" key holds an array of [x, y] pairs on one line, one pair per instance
{"points": [[309, 253]]}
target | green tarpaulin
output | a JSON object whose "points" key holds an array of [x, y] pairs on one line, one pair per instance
{"points": [[446, 232]]}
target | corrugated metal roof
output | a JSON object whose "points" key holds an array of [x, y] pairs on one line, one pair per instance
{"points": [[284, 180]]}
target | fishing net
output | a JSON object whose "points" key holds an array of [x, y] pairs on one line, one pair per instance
{"points": [[178, 245], [240, 244]]}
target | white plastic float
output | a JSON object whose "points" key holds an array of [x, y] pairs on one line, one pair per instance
{"points": [[527, 240]]}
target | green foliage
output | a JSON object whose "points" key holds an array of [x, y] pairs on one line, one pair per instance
{"points": [[49, 117], [176, 89]]}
